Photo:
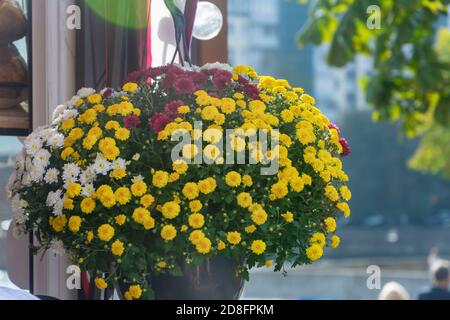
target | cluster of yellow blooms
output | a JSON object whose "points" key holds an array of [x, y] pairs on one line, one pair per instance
{"points": [[127, 195]]}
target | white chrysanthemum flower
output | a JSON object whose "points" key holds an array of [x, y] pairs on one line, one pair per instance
{"points": [[101, 165], [51, 176], [57, 246], [20, 161], [217, 65], [187, 67], [56, 121], [53, 197], [15, 203], [59, 111], [85, 92], [26, 179], [20, 217], [71, 171], [88, 190], [46, 133], [41, 158], [88, 175], [18, 204], [56, 140], [23, 203], [36, 174], [69, 114], [33, 145], [119, 163], [118, 94], [58, 208], [72, 102]]}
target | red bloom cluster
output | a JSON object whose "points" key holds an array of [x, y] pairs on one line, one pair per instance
{"points": [[132, 121], [184, 84], [159, 121], [345, 147]]}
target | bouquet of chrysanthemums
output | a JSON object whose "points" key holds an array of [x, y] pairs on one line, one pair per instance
{"points": [[183, 164]]}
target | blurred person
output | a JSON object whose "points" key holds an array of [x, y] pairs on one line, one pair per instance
{"points": [[15, 294], [433, 258], [393, 291], [441, 282]]}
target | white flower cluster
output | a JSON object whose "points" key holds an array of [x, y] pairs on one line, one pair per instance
{"points": [[34, 167]]}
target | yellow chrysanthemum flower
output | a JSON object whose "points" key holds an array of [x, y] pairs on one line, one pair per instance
{"points": [[234, 237], [123, 195], [122, 134], [258, 247], [139, 188], [130, 87], [318, 238], [314, 252], [288, 217], [196, 220], [203, 246], [170, 210], [160, 179], [74, 224], [221, 245], [135, 291], [195, 206], [117, 248], [233, 179], [190, 190], [140, 215], [147, 200], [195, 236], [244, 199], [100, 283], [335, 241], [330, 224], [73, 190], [120, 219], [250, 229], [168, 232], [105, 232], [259, 216]]}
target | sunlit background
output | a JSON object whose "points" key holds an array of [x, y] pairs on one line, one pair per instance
{"points": [[397, 214]]}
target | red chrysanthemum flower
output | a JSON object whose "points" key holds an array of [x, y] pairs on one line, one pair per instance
{"points": [[251, 90], [159, 121], [184, 85], [131, 121], [333, 126], [171, 108], [345, 147], [222, 79]]}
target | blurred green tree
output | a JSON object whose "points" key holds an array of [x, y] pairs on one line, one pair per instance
{"points": [[411, 63]]}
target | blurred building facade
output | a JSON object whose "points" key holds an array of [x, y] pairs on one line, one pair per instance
{"points": [[263, 36], [338, 89]]}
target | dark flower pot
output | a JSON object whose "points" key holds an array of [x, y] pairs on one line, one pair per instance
{"points": [[215, 279]]}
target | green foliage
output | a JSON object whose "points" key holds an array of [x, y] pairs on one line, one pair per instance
{"points": [[409, 76], [410, 54], [433, 152]]}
